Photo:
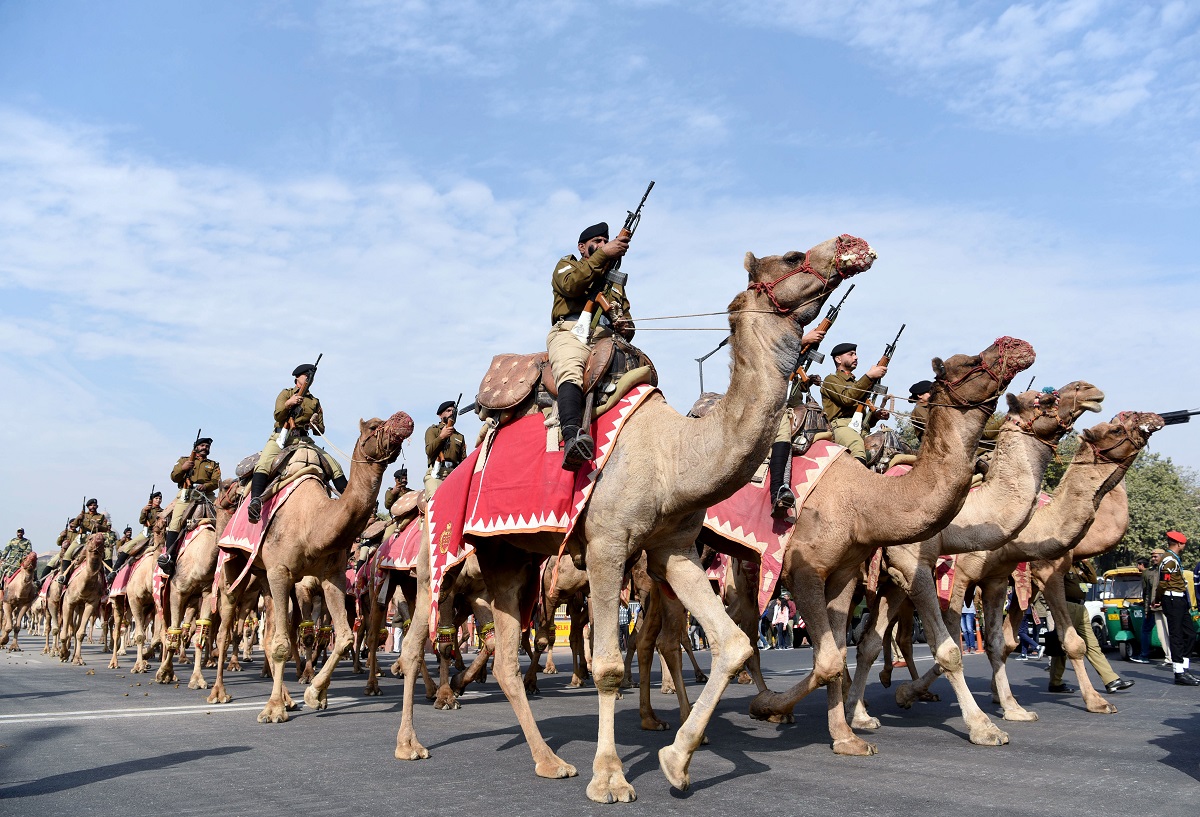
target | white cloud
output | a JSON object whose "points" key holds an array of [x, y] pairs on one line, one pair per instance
{"points": [[139, 300]]}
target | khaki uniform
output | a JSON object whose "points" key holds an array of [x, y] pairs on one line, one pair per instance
{"points": [[310, 418], [573, 281], [16, 550], [1076, 595], [920, 421], [204, 478], [450, 451], [841, 397]]}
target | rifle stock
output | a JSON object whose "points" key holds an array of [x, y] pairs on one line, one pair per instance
{"points": [[809, 356]]}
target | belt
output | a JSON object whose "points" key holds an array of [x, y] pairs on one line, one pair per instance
{"points": [[569, 317], [1176, 594], [295, 432]]}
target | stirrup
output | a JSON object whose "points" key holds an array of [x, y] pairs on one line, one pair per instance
{"points": [[254, 509], [578, 451], [785, 501], [62, 578], [166, 563]]}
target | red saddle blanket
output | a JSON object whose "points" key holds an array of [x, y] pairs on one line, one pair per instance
{"points": [[746, 518], [512, 484], [121, 580], [401, 549], [45, 588], [244, 535]]}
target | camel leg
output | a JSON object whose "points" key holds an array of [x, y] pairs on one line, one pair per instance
{"points": [[506, 573], [228, 612], [883, 608], [117, 622], [997, 657], [279, 587], [316, 695], [171, 617], [902, 634], [651, 626], [374, 622], [88, 610], [483, 617], [535, 646], [730, 650], [412, 657], [204, 636], [697, 673], [579, 661], [1074, 646], [669, 647]]}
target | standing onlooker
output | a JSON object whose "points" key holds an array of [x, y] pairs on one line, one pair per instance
{"points": [[968, 624], [1082, 573], [788, 638], [765, 630], [1149, 580], [1172, 597], [779, 618], [622, 625], [1029, 645]]}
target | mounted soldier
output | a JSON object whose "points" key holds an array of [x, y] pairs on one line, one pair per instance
{"points": [[136, 546], [17, 549], [445, 447], [198, 478], [297, 412], [89, 521], [846, 399]]}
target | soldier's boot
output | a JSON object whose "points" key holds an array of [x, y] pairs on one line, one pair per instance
{"points": [[166, 562], [339, 484], [63, 572], [119, 560], [257, 485], [578, 445], [782, 498]]}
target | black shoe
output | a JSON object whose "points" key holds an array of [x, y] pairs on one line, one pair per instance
{"points": [[1062, 688], [258, 484], [62, 578], [785, 500], [254, 510], [1137, 659], [577, 449], [1118, 685], [166, 562], [1186, 679], [1022, 657], [339, 484]]}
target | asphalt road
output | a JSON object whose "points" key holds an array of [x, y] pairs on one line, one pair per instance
{"points": [[114, 743]]}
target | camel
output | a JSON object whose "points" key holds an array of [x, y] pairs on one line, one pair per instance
{"points": [[1105, 452], [663, 471], [311, 534], [852, 511], [54, 594], [138, 605], [19, 595], [993, 513], [569, 587], [191, 587], [463, 595], [81, 598]]}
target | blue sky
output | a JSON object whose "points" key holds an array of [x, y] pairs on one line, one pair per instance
{"points": [[196, 197]]}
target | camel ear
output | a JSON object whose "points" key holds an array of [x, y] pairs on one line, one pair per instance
{"points": [[1087, 435], [751, 263], [939, 368], [1013, 403], [362, 426]]}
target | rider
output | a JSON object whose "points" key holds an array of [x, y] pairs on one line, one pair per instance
{"points": [[445, 448], [198, 477], [17, 549], [88, 522], [309, 416], [844, 400], [575, 281]]}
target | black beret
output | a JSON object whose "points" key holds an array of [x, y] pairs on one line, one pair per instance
{"points": [[595, 231], [303, 368], [919, 388], [447, 405], [156, 494], [203, 441], [92, 502], [127, 529], [842, 348], [402, 474]]}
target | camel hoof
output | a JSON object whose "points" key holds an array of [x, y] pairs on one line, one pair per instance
{"points": [[165, 677], [760, 709], [929, 697], [1103, 707], [653, 724], [744, 677], [701, 678], [885, 677], [411, 750], [218, 696], [113, 664], [315, 699], [786, 717], [139, 668], [550, 670], [866, 723], [1020, 715], [989, 735], [855, 747], [667, 690], [905, 697], [372, 689], [674, 765], [197, 683], [574, 683], [611, 788], [554, 768], [273, 713]]}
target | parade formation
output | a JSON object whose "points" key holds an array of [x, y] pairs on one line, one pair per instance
{"points": [[585, 489]]}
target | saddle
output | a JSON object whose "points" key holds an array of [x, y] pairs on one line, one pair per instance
{"points": [[299, 459], [406, 504], [883, 446], [517, 385]]}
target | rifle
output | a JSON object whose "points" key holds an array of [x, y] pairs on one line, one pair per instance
{"points": [[1174, 418], [1030, 386], [442, 471], [460, 412], [878, 390], [809, 356], [614, 277], [187, 481], [295, 412]]}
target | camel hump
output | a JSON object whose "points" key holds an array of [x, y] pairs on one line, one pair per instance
{"points": [[509, 380], [704, 404]]}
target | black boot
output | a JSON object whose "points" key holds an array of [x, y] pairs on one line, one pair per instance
{"points": [[257, 485], [62, 575], [166, 562], [120, 559], [782, 498], [578, 446], [339, 484]]}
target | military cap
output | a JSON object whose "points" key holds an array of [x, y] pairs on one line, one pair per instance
{"points": [[20, 530], [156, 494], [919, 388], [92, 502], [1158, 552], [127, 529], [449, 404], [401, 474], [595, 231], [842, 348], [1176, 536], [203, 441], [303, 368]]}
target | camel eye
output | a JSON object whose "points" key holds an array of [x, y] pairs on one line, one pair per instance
{"points": [[794, 258]]}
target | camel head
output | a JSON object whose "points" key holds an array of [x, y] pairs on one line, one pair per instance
{"points": [[1119, 441], [797, 283], [30, 561], [380, 440], [93, 549], [974, 380], [1050, 415]]}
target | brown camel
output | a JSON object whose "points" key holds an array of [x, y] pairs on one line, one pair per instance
{"points": [[311, 535], [81, 598], [570, 588], [53, 597], [1105, 453], [991, 516], [852, 511], [463, 594], [662, 473], [191, 587], [137, 606], [19, 595]]}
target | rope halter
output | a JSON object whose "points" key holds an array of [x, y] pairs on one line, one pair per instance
{"points": [[1011, 352], [388, 436], [851, 256]]}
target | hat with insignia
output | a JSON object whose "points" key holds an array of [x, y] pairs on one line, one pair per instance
{"points": [[449, 404], [842, 348], [203, 441], [595, 231]]}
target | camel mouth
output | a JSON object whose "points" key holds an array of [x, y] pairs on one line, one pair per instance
{"points": [[855, 255], [1091, 405]]}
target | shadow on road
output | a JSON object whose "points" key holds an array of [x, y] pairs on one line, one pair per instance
{"points": [[82, 777]]}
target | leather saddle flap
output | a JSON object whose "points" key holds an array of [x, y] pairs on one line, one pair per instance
{"points": [[704, 404], [509, 380], [405, 504]]}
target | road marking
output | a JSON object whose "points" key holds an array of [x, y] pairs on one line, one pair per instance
{"points": [[144, 712]]}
